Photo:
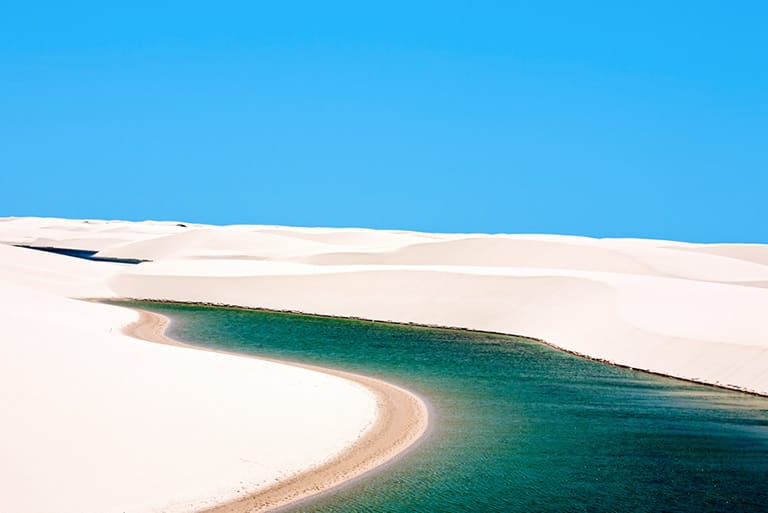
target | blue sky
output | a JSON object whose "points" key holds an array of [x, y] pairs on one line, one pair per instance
{"points": [[641, 119]]}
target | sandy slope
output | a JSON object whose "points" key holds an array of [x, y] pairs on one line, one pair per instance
{"points": [[691, 330], [688, 310], [94, 421]]}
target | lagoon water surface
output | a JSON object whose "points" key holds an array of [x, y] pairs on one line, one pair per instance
{"points": [[517, 425]]}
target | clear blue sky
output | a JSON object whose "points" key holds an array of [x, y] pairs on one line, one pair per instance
{"points": [[610, 118]]}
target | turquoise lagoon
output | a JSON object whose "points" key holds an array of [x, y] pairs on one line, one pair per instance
{"points": [[516, 425]]}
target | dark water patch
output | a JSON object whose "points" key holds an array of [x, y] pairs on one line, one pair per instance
{"points": [[86, 254], [517, 425]]}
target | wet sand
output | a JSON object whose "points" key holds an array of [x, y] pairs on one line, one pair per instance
{"points": [[402, 419]]}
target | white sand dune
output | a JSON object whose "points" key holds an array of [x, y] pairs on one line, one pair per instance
{"points": [[216, 243], [757, 253], [688, 310], [82, 234], [94, 421]]}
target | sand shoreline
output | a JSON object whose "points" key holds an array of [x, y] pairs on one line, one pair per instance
{"points": [[456, 328], [402, 420]]}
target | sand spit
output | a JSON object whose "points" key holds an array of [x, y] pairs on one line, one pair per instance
{"points": [[401, 420]]}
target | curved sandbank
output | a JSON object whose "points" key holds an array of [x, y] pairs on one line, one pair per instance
{"points": [[96, 422], [401, 421]]}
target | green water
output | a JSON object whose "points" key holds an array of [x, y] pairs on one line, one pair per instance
{"points": [[519, 426]]}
